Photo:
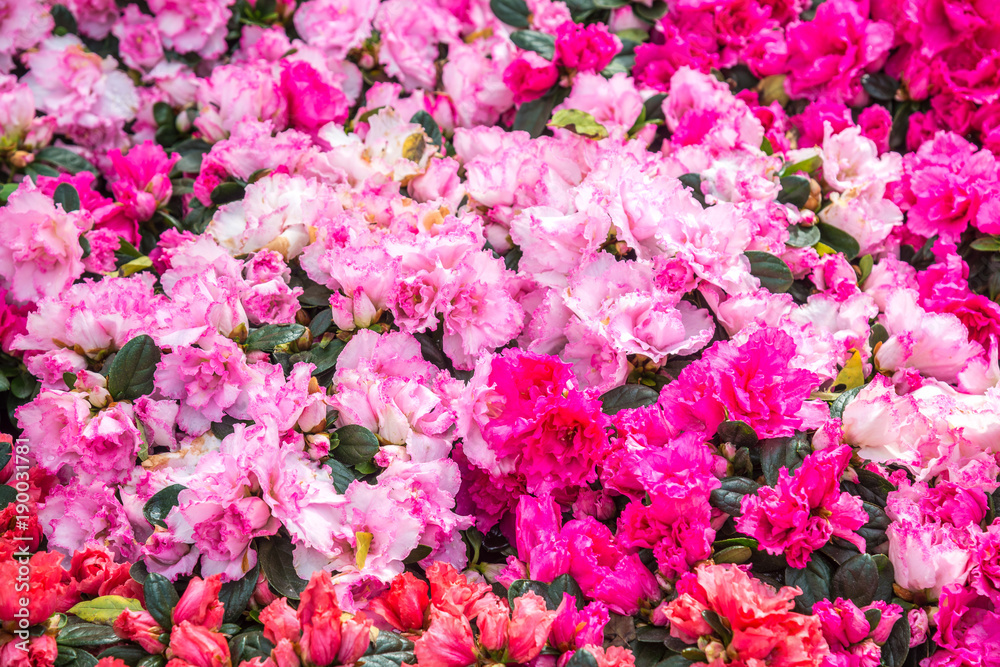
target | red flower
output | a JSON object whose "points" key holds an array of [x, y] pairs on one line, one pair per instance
{"points": [[405, 604], [448, 642], [196, 646], [200, 603]]}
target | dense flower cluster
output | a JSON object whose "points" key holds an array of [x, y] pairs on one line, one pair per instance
{"points": [[590, 333]]}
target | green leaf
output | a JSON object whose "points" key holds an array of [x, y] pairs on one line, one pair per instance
{"points": [[249, 645], [65, 159], [737, 433], [795, 190], [564, 583], [807, 166], [65, 22], [582, 658], [388, 650], [136, 265], [80, 658], [748, 542], [651, 14], [225, 193], [866, 264], [159, 505], [838, 405], [856, 580], [7, 495], [778, 453], [6, 191], [23, 385], [325, 358], [839, 240], [735, 554], [532, 116], [693, 181], [802, 237], [880, 86], [813, 580], [622, 63], [321, 323], [5, 452], [541, 43], [579, 122], [275, 557], [654, 106], [163, 114], [986, 244], [271, 336], [512, 12], [153, 661], [189, 164], [896, 648], [161, 598], [131, 373], [766, 146], [886, 577], [341, 475], [430, 126], [356, 445], [522, 586], [130, 654], [87, 634], [105, 609], [627, 397], [773, 273], [730, 494], [4, 386], [235, 595], [513, 258], [67, 196]]}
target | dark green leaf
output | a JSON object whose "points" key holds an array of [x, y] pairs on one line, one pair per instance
{"points": [[675, 661], [778, 453], [356, 444], [153, 661], [421, 552], [541, 43], [163, 114], [839, 240], [65, 159], [650, 14], [6, 451], [532, 117], [81, 659], [564, 583], [737, 433], [626, 397], [321, 322], [582, 658], [794, 190], [522, 586], [766, 146], [856, 580], [225, 193], [773, 273], [733, 555], [622, 63], [342, 475], [874, 532], [873, 616], [7, 495], [161, 598], [654, 106], [878, 335], [898, 645], [512, 12], [275, 557], [880, 86], [716, 623], [235, 595], [693, 181], [388, 650], [67, 196], [130, 654], [878, 485], [271, 336], [189, 164], [4, 386], [813, 580], [431, 129], [158, 507], [802, 237], [138, 572], [730, 494], [839, 403], [325, 358], [131, 373], [85, 245], [23, 385], [65, 22], [249, 645], [87, 634]]}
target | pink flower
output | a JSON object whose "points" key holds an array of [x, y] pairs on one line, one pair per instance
{"points": [[761, 621], [529, 627], [89, 97], [138, 39], [94, 17], [828, 55], [755, 382], [140, 627], [41, 651], [24, 25], [143, 183], [847, 630], [280, 622], [573, 628], [319, 618], [476, 85], [448, 642], [530, 76], [968, 625], [200, 603], [236, 93], [312, 101], [40, 252], [410, 40], [197, 646], [193, 27], [452, 592], [207, 381], [49, 588], [404, 606], [585, 48], [335, 26]]}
